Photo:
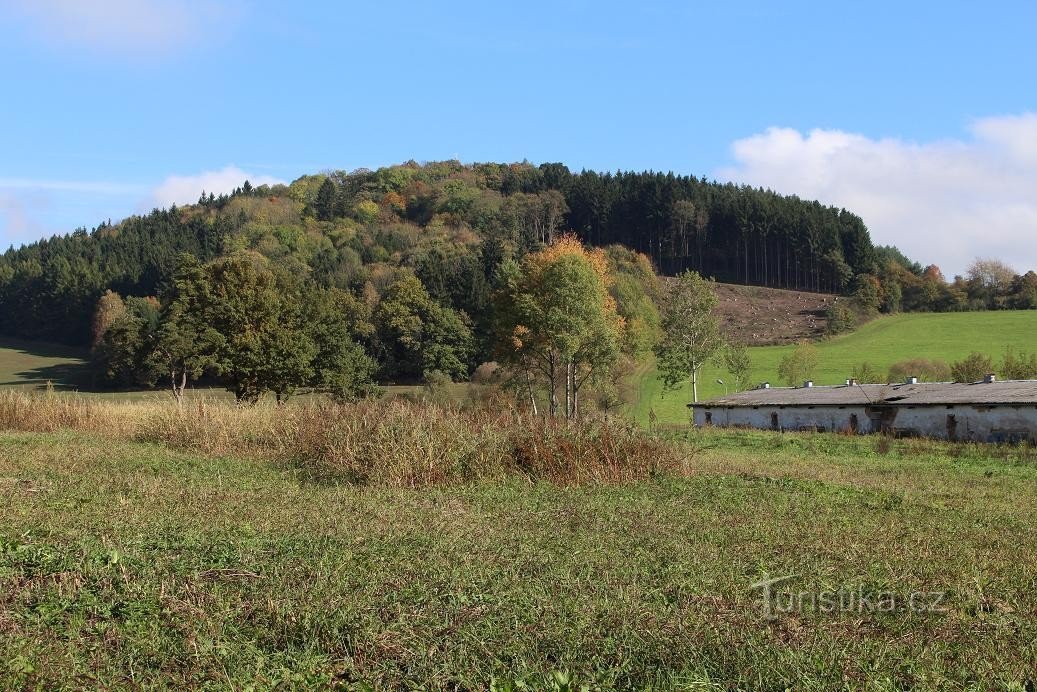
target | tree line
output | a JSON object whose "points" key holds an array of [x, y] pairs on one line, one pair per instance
{"points": [[564, 317], [452, 226]]}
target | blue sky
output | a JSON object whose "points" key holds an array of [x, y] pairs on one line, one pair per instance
{"points": [[895, 111]]}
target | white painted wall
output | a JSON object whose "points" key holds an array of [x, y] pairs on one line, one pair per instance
{"points": [[980, 423]]}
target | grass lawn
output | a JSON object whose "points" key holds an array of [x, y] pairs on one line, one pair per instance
{"points": [[881, 342], [129, 565], [31, 365]]}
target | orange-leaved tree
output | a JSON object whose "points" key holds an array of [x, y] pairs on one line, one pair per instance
{"points": [[557, 323]]}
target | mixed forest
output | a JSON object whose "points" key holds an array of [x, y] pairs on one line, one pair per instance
{"points": [[421, 271]]}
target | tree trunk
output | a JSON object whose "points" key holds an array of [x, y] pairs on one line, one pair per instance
{"points": [[553, 384], [568, 388], [532, 396], [695, 385], [178, 387]]}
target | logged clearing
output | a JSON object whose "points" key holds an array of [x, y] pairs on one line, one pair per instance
{"points": [[758, 316], [130, 564]]}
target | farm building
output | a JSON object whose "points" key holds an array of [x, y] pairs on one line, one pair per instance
{"points": [[989, 411]]}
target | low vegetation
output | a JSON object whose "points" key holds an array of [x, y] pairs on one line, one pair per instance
{"points": [[394, 442], [384, 544]]}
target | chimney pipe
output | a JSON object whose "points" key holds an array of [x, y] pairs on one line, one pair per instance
{"points": [[989, 377]]}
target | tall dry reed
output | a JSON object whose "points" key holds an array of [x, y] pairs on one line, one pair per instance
{"points": [[388, 442]]}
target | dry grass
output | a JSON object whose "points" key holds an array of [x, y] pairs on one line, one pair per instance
{"points": [[392, 443]]}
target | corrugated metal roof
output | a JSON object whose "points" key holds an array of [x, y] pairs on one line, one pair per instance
{"points": [[1012, 392]]}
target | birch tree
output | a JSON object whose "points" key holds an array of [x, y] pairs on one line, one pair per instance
{"points": [[560, 327], [691, 332]]}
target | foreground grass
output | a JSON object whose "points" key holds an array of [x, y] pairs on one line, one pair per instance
{"points": [[881, 342], [128, 564]]}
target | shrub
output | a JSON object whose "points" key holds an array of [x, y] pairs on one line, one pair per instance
{"points": [[972, 368], [866, 373], [798, 365], [838, 319], [924, 369]]}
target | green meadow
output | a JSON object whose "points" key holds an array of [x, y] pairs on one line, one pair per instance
{"points": [[881, 343], [129, 564]]}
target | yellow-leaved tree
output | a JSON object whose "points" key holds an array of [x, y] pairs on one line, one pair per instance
{"points": [[558, 327]]}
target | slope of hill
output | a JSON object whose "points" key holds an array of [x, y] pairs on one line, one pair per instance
{"points": [[758, 316], [881, 342], [447, 222]]}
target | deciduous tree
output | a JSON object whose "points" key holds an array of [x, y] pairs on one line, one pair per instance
{"points": [[690, 331]]}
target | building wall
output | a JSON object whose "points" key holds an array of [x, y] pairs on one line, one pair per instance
{"points": [[996, 423], [828, 418]]}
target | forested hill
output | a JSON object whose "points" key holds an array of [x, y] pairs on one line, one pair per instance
{"points": [[451, 223]]}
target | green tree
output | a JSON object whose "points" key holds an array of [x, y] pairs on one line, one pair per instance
{"points": [[415, 334], [186, 345], [690, 331], [324, 204], [738, 363], [341, 367], [868, 294], [799, 365], [838, 319], [972, 368], [122, 356], [1018, 366], [235, 317]]}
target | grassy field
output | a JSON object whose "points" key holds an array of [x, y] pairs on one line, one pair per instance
{"points": [[35, 365], [881, 342], [132, 564]]}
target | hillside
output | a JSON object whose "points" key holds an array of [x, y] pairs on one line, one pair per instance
{"points": [[451, 224], [881, 342], [759, 316]]}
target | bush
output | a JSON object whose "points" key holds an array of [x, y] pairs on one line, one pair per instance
{"points": [[972, 368], [924, 369], [866, 373], [838, 319]]}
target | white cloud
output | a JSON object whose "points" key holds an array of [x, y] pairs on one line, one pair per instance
{"points": [[137, 27], [18, 219], [185, 189], [944, 202]]}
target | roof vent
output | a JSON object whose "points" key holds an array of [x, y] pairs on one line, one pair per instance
{"points": [[911, 380], [765, 385], [989, 377], [808, 383]]}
